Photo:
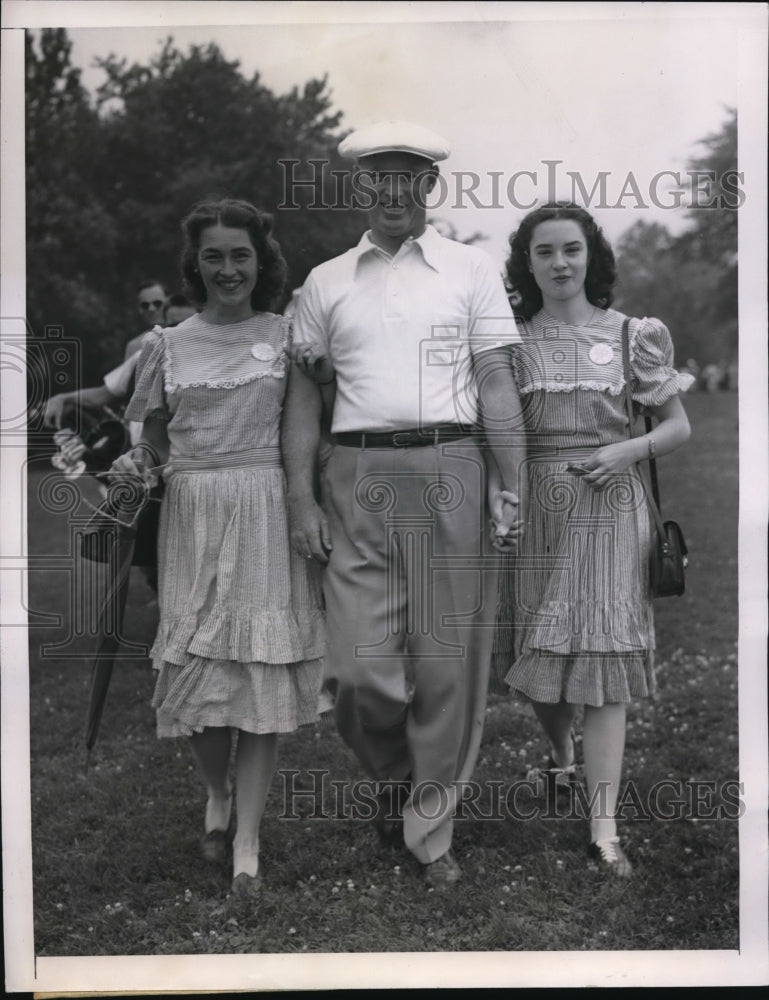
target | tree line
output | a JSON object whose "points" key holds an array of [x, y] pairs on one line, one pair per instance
{"points": [[109, 178], [690, 281]]}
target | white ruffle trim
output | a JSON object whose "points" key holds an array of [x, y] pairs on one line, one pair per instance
{"points": [[547, 385], [225, 384], [221, 383]]}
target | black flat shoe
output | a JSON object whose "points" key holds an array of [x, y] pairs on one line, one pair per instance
{"points": [[562, 779], [214, 846]]}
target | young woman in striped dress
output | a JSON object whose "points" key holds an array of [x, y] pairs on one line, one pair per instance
{"points": [[578, 593], [240, 636]]}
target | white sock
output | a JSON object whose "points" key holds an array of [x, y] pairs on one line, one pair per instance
{"points": [[245, 860], [602, 829]]}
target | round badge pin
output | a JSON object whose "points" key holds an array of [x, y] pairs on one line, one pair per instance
{"points": [[263, 352], [601, 354]]}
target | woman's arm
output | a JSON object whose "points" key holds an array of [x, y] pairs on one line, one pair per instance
{"points": [[670, 433], [500, 412], [149, 453]]}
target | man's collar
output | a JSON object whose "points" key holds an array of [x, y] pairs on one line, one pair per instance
{"points": [[429, 243]]}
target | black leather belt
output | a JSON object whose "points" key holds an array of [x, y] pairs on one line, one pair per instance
{"points": [[413, 438]]}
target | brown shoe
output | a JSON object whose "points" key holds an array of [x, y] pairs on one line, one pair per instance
{"points": [[610, 857], [444, 872]]}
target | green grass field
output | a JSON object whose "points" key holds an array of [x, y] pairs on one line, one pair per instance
{"points": [[116, 868]]}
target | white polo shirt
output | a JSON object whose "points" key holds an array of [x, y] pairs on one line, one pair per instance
{"points": [[401, 330], [118, 381]]}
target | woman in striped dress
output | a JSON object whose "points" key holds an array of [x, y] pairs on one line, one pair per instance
{"points": [[240, 636], [578, 593]]}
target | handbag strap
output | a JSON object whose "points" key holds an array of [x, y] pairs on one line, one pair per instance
{"points": [[654, 499], [652, 465]]}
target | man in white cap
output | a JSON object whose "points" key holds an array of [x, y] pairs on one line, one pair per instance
{"points": [[415, 332]]}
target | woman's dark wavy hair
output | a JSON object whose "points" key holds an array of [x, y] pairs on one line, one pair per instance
{"points": [[235, 214], [601, 268]]}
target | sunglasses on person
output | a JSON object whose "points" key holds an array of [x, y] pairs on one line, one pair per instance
{"points": [[155, 304]]}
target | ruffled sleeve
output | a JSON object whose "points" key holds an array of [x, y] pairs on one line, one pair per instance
{"points": [[654, 380], [149, 398]]}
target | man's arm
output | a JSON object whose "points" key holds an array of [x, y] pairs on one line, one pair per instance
{"points": [[300, 439], [500, 412], [60, 407], [114, 390]]}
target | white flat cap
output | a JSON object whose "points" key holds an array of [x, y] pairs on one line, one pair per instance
{"points": [[395, 137]]}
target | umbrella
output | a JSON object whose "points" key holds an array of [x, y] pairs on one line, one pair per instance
{"points": [[130, 510], [111, 540], [110, 621]]}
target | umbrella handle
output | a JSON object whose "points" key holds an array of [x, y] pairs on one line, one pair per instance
{"points": [[114, 503]]}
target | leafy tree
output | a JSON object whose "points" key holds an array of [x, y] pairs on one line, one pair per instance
{"points": [[714, 229], [690, 281], [110, 178], [187, 127], [712, 240], [71, 238]]}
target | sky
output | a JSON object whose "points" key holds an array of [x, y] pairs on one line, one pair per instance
{"points": [[624, 89]]}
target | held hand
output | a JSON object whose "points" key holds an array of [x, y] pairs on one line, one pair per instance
{"points": [[69, 458], [57, 408], [313, 364], [70, 445], [606, 462], [506, 523], [133, 463], [308, 527]]}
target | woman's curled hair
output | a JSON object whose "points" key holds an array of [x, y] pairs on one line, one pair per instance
{"points": [[235, 214], [601, 268]]}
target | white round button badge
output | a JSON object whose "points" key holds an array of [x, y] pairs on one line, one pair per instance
{"points": [[263, 352], [601, 354]]}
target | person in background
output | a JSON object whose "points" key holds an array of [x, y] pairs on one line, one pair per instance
{"points": [[582, 610], [107, 400], [151, 299], [408, 326], [118, 383], [240, 637]]}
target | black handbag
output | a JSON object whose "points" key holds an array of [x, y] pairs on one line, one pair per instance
{"points": [[667, 563], [668, 556]]}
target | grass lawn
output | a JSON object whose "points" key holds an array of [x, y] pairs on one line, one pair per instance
{"points": [[116, 869]]}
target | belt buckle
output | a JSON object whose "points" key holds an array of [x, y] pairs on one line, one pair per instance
{"points": [[402, 439]]}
